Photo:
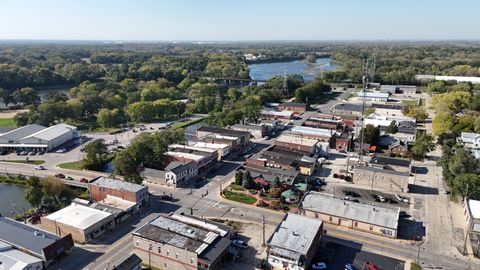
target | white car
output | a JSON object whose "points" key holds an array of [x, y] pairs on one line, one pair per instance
{"points": [[40, 168], [381, 198], [319, 266]]}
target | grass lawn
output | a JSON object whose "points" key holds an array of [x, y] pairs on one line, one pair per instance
{"points": [[411, 102], [7, 122], [239, 197], [186, 123], [36, 162], [74, 165], [236, 187], [415, 266]]}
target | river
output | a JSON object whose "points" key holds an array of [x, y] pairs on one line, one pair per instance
{"points": [[12, 199], [266, 71]]}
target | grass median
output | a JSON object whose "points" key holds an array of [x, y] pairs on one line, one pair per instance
{"points": [[74, 165], [239, 197], [22, 161]]}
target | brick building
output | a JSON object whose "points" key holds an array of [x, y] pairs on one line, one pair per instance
{"points": [[293, 107], [100, 187], [300, 145]]}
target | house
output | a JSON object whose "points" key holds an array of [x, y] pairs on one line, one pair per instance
{"points": [[293, 194], [299, 145], [374, 96], [356, 216], [14, 259], [294, 242], [390, 163], [390, 89], [257, 131], [242, 136], [83, 223], [182, 242], [37, 138], [398, 148], [269, 174], [176, 174], [294, 107], [320, 134], [469, 140], [33, 241], [276, 115], [101, 187], [472, 213], [343, 142], [381, 179]]}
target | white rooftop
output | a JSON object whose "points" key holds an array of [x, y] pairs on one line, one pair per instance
{"points": [[79, 216], [118, 202], [277, 113], [367, 213], [52, 132], [312, 131], [295, 234], [211, 145], [13, 259], [474, 207], [361, 94]]}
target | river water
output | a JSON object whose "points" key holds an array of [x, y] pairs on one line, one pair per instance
{"points": [[266, 71], [12, 200]]}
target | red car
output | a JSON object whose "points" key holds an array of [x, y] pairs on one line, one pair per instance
{"points": [[83, 180], [59, 175], [370, 266]]}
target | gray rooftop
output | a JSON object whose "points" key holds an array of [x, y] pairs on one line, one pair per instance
{"points": [[178, 167], [23, 236], [116, 184], [372, 169], [247, 127], [375, 215], [52, 132], [294, 235], [22, 132]]}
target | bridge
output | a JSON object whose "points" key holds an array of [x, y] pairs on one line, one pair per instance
{"points": [[234, 81]]}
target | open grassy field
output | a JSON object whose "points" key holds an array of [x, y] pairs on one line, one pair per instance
{"points": [[74, 165], [7, 122]]}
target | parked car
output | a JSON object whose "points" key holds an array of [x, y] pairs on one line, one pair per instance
{"points": [[39, 167], [403, 214], [319, 266], [369, 266], [239, 243], [83, 180], [32, 153], [335, 175], [341, 176], [3, 153], [348, 178], [59, 175], [63, 150], [350, 266], [381, 198], [41, 152], [68, 178], [351, 193]]}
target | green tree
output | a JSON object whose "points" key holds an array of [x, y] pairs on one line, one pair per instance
{"points": [[125, 164], [26, 96], [463, 162], [443, 122], [423, 144], [464, 183], [57, 190], [392, 128], [96, 157], [248, 181], [277, 183], [34, 192], [372, 134], [6, 96], [109, 118], [239, 177]]}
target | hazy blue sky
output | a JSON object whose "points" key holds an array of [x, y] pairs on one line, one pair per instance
{"points": [[239, 19]]}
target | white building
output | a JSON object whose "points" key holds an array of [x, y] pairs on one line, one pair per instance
{"points": [[223, 149], [448, 78], [13, 259], [472, 212], [385, 120], [469, 140], [36, 137], [374, 96]]}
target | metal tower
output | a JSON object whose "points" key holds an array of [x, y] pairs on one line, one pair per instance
{"points": [[362, 130]]}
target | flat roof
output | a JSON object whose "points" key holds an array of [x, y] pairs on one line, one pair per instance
{"points": [[293, 104], [361, 94], [390, 161], [223, 131], [22, 132], [240, 126], [211, 145], [474, 207], [116, 184], [79, 216], [13, 259], [361, 167], [312, 131], [366, 213], [52, 132], [277, 113], [296, 140], [191, 147], [294, 235], [23, 236]]}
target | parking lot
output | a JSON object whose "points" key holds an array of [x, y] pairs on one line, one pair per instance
{"points": [[336, 253]]}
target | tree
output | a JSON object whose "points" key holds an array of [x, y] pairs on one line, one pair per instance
{"points": [[392, 128], [96, 157], [26, 96], [248, 181], [464, 182], [57, 190], [443, 122], [417, 112], [34, 192], [463, 162], [6, 96], [372, 134], [109, 118], [277, 183], [275, 192], [423, 144], [239, 177], [126, 165]]}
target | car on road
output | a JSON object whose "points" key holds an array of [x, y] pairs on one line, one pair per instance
{"points": [[59, 175], [350, 266], [351, 194], [68, 178], [83, 180], [40, 168], [370, 266], [319, 266], [63, 150], [239, 243]]}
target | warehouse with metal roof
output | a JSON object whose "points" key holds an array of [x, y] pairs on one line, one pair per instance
{"points": [[35, 137]]}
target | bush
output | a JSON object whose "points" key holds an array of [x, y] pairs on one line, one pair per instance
{"points": [[252, 191], [275, 192], [276, 205], [239, 197], [262, 203]]}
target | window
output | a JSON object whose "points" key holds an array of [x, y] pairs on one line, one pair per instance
{"points": [[176, 256], [330, 218], [137, 243], [355, 224], [159, 249], [168, 252], [165, 265], [191, 260], [371, 228]]}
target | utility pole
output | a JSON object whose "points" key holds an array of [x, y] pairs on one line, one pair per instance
{"points": [[263, 229], [374, 65], [468, 229], [285, 85], [362, 130]]}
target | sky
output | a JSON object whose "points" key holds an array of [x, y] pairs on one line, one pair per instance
{"points": [[239, 20]]}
